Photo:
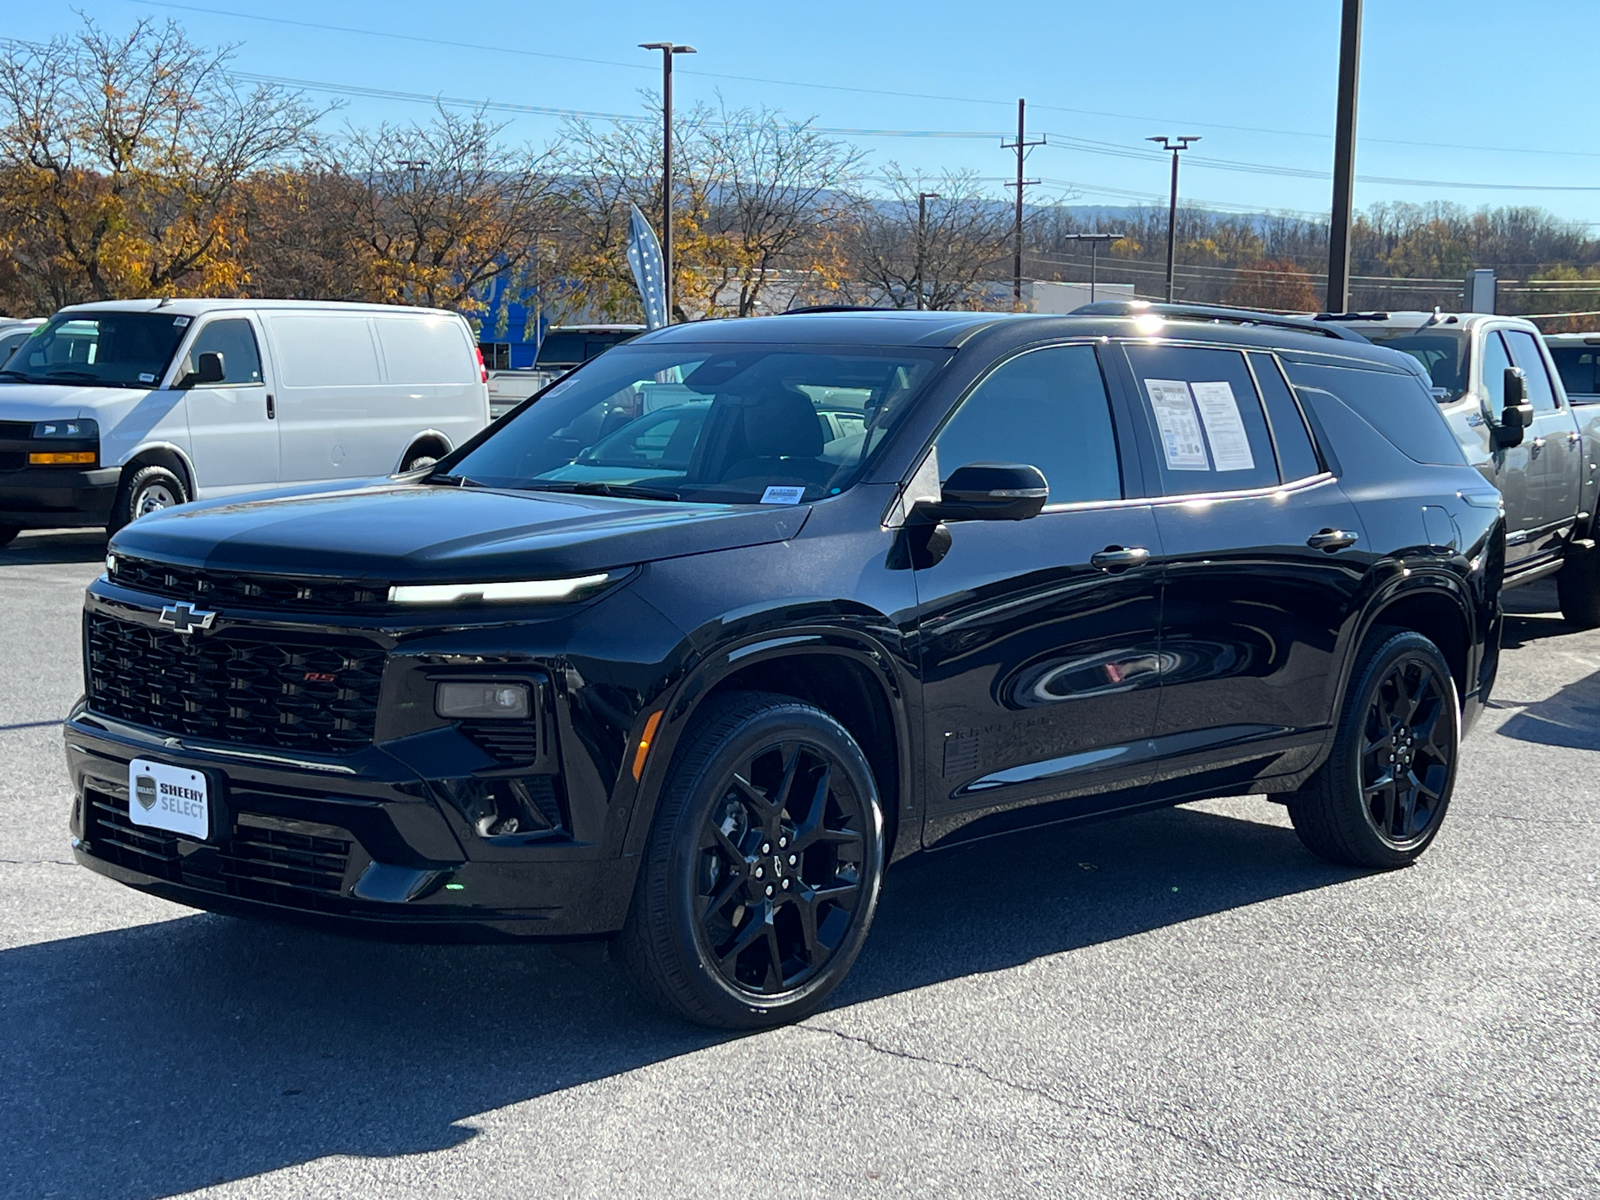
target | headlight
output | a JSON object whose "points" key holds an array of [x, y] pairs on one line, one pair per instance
{"points": [[483, 701], [77, 428], [549, 590]]}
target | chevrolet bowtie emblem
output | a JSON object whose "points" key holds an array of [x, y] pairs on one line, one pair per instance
{"points": [[186, 618]]}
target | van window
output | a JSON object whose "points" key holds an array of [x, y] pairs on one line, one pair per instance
{"points": [[234, 340], [1210, 433], [425, 350], [105, 349], [1398, 406], [324, 350]]}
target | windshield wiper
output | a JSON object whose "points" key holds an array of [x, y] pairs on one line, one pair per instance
{"points": [[17, 375], [86, 376], [454, 480], [627, 491]]}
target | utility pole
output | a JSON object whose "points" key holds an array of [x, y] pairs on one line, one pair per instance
{"points": [[668, 49], [922, 240], [1021, 145], [1095, 240], [1344, 159], [1176, 145]]}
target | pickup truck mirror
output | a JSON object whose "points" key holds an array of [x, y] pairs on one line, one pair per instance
{"points": [[989, 491], [1517, 415]]}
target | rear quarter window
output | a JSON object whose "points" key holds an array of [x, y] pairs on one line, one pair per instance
{"points": [[1397, 406]]}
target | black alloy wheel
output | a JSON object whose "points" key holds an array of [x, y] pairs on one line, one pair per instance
{"points": [[1380, 798], [764, 866]]}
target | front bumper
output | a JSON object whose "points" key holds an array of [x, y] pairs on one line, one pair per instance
{"points": [[361, 847], [57, 497]]}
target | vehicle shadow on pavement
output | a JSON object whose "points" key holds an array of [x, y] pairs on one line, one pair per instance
{"points": [[1570, 718], [67, 546], [1532, 613], [165, 1057]]}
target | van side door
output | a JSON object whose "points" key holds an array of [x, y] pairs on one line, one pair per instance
{"points": [[328, 381], [233, 431]]}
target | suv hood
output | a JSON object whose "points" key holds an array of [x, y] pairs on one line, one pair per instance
{"points": [[413, 533]]}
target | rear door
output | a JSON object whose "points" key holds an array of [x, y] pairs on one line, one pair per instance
{"points": [[1555, 455], [1259, 558], [433, 383], [233, 433], [1039, 638]]}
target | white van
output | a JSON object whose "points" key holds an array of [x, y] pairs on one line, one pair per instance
{"points": [[112, 410]]}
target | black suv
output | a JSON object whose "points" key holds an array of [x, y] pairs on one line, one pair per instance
{"points": [[688, 649]]}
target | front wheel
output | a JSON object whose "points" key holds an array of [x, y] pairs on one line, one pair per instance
{"points": [[1380, 798], [147, 490], [761, 876]]}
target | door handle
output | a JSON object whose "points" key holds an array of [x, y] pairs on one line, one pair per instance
{"points": [[1332, 539], [1535, 446], [1573, 438], [272, 411], [1115, 558]]}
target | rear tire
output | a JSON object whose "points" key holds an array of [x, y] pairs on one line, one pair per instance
{"points": [[417, 461], [761, 876], [1380, 798], [147, 490], [8, 534], [1578, 587]]}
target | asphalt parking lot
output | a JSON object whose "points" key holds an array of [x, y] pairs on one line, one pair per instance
{"points": [[1176, 1004]]}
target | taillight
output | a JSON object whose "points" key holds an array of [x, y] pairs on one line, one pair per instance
{"points": [[483, 371]]}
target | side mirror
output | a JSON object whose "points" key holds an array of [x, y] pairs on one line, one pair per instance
{"points": [[207, 370], [1517, 414], [989, 491]]}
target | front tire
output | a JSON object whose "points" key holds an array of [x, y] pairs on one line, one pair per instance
{"points": [[1380, 798], [761, 877], [147, 490]]}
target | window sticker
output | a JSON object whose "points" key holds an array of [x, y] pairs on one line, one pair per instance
{"points": [[782, 495], [1230, 445], [180, 322], [146, 377], [1177, 424]]}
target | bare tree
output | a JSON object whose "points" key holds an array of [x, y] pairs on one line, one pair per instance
{"points": [[122, 160], [949, 256]]}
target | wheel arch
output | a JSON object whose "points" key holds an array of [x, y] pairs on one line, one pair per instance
{"points": [[427, 438], [1430, 604], [161, 454], [849, 677]]}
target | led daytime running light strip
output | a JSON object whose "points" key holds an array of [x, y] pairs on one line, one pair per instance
{"points": [[527, 589]]}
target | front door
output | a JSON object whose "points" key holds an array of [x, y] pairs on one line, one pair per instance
{"points": [[1259, 575], [1555, 457], [1509, 468], [233, 432], [1039, 639]]}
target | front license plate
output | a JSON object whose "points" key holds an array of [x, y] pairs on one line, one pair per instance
{"points": [[172, 798]]}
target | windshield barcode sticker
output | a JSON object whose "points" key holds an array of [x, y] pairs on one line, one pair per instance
{"points": [[180, 322], [782, 495], [146, 377]]}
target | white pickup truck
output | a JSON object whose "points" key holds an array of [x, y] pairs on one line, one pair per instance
{"points": [[1498, 386]]}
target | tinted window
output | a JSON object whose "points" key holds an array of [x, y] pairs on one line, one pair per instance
{"points": [[1442, 352], [1398, 406], [1525, 354], [117, 349], [1210, 433], [1576, 364], [234, 341], [1297, 454], [723, 424], [560, 349], [1049, 409], [1495, 362]]}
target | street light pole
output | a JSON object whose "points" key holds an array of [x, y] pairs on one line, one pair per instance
{"points": [[1095, 240], [1344, 159], [1175, 145], [668, 49], [922, 240]]}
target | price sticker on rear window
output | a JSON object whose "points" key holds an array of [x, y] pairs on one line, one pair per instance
{"points": [[1230, 445], [782, 495], [1178, 425]]}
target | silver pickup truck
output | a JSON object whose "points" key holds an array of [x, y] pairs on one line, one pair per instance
{"points": [[1497, 384]]}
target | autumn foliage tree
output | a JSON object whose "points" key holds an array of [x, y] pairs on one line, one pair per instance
{"points": [[1272, 283], [122, 162]]}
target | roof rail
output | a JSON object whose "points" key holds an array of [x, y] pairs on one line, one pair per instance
{"points": [[1216, 313], [825, 308]]}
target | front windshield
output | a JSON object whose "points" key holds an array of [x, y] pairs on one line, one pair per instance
{"points": [[722, 424], [112, 349], [1442, 351]]}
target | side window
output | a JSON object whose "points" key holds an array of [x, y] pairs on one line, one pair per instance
{"points": [[1576, 364], [1493, 372], [1297, 453], [234, 341], [1525, 354], [1210, 432], [1047, 408]]}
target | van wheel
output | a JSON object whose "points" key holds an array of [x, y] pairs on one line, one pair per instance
{"points": [[1380, 798], [761, 876], [8, 534], [147, 490], [1578, 587], [417, 462]]}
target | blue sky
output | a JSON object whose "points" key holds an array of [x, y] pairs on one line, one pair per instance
{"points": [[1466, 93]]}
